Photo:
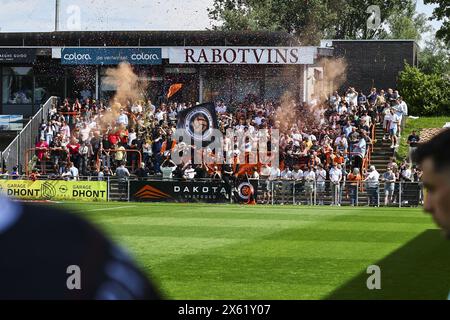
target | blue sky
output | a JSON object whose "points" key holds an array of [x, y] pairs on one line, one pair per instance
{"points": [[38, 15]]}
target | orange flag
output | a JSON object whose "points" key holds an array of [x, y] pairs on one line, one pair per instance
{"points": [[174, 88]]}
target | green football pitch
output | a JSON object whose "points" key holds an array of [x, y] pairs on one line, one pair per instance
{"points": [[212, 251]]}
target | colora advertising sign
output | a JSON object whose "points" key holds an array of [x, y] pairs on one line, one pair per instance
{"points": [[179, 191], [111, 56], [55, 190], [242, 55]]}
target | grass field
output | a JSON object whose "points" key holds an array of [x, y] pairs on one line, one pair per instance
{"points": [[418, 124], [202, 251]]}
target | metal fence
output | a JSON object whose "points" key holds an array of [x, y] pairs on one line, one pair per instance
{"points": [[14, 154], [288, 192], [398, 194]]}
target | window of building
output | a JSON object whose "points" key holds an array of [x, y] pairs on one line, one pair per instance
{"points": [[17, 85], [47, 86], [280, 81]]}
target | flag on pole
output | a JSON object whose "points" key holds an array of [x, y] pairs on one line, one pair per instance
{"points": [[174, 88]]}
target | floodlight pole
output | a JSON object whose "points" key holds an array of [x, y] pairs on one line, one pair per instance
{"points": [[57, 15]]}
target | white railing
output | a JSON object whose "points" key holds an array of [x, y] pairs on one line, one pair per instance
{"points": [[14, 154]]}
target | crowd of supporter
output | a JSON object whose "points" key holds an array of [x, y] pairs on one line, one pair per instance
{"points": [[319, 141]]}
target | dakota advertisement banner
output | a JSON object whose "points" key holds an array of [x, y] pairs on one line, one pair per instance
{"points": [[179, 191], [107, 56], [55, 190], [242, 55]]}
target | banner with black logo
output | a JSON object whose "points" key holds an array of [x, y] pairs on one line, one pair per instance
{"points": [[179, 191], [246, 191], [198, 123]]}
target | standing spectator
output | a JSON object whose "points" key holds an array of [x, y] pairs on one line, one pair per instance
{"points": [[73, 147], [389, 186], [297, 176], [66, 175], [321, 177], [353, 180], [404, 108], [309, 177], [42, 153], [100, 174], [286, 177], [142, 172], [372, 180], [74, 173], [84, 133], [120, 154], [85, 153], [413, 140], [274, 175], [95, 145], [122, 119], [359, 152], [362, 99], [167, 169], [335, 178], [265, 173], [393, 128], [122, 175]]}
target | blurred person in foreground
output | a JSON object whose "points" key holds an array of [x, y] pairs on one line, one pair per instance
{"points": [[434, 159], [42, 246]]}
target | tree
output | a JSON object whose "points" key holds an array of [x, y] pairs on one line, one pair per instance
{"points": [[442, 12], [310, 20], [435, 58], [425, 94], [406, 25]]}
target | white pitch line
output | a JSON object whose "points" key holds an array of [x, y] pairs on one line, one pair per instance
{"points": [[104, 209]]}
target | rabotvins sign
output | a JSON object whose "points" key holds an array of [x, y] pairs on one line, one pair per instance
{"points": [[55, 190], [179, 191], [107, 56]]}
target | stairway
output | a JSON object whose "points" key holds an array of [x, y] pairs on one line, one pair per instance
{"points": [[382, 153]]}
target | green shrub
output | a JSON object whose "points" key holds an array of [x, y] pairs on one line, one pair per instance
{"points": [[425, 94]]}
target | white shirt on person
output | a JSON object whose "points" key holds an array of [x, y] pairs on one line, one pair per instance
{"points": [[136, 108], [84, 133], [167, 172], [297, 174], [258, 120], [265, 171], [395, 119], [372, 179], [321, 175], [286, 174], [160, 115], [404, 108], [309, 176], [74, 173], [335, 175], [352, 97], [123, 119], [274, 173], [221, 109], [131, 136]]}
